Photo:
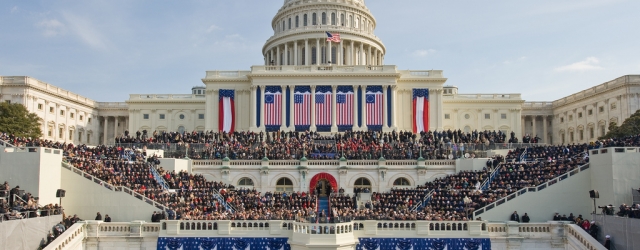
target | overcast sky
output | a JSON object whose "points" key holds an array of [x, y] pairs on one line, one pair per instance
{"points": [[106, 50]]}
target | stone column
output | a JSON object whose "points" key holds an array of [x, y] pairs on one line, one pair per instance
{"points": [[306, 52], [334, 115], [341, 53], [262, 119], [360, 57], [313, 108], [439, 108], [329, 54], [252, 118], [355, 106], [115, 128], [545, 137], [364, 107], [318, 56], [286, 54], [385, 124], [292, 126], [278, 62], [271, 59], [351, 53], [283, 107], [533, 126], [295, 53], [105, 130], [215, 96], [394, 104], [368, 60], [523, 124]]}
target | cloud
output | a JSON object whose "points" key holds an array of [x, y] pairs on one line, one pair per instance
{"points": [[423, 52], [589, 64], [213, 28], [14, 9], [86, 31], [51, 27]]}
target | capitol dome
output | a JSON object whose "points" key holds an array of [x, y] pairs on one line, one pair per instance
{"points": [[300, 34]]}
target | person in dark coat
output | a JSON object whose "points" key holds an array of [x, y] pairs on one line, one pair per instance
{"points": [[107, 218], [154, 217], [515, 216], [98, 216], [607, 242], [525, 218]]}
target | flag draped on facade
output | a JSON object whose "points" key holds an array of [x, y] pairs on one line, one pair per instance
{"points": [[226, 108], [373, 99], [420, 110], [344, 108], [323, 108], [302, 107], [273, 107]]}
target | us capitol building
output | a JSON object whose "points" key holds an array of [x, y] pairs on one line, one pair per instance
{"points": [[307, 82]]}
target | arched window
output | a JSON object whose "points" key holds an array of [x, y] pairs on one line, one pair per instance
{"points": [[283, 25], [314, 19], [289, 23], [350, 21], [181, 129], [401, 182], [342, 19], [304, 20], [284, 185], [323, 53], [297, 21], [246, 182], [356, 23], [324, 18], [333, 18], [314, 56], [362, 183], [304, 56]]}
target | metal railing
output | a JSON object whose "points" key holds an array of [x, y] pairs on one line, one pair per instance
{"points": [[6, 144], [29, 214], [221, 200], [117, 188], [492, 175], [424, 202], [158, 178], [531, 189]]}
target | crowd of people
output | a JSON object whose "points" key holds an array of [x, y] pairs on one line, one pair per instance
{"points": [[17, 204], [353, 145], [453, 197]]}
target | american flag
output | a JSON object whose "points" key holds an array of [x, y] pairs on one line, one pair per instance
{"points": [[273, 106], [302, 105], [374, 105], [323, 105], [333, 37], [344, 106]]}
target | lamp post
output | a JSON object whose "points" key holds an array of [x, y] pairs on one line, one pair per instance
{"points": [[466, 201], [381, 150]]}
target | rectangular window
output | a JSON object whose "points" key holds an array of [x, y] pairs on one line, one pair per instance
{"points": [[487, 116], [80, 136], [601, 109], [297, 21], [60, 133], [561, 119], [89, 120], [570, 117], [503, 116], [81, 117], [314, 19], [50, 131], [602, 130], [71, 115], [289, 23], [201, 116], [145, 116], [70, 134], [304, 20], [590, 112], [51, 110], [591, 134], [161, 116], [88, 139], [571, 136], [40, 106], [447, 116], [581, 134], [613, 106], [580, 115], [61, 112]]}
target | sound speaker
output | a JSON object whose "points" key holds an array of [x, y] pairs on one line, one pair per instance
{"points": [[594, 194], [60, 193]]}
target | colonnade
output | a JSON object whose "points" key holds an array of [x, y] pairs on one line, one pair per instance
{"points": [[357, 113], [533, 132], [347, 52], [120, 124]]}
